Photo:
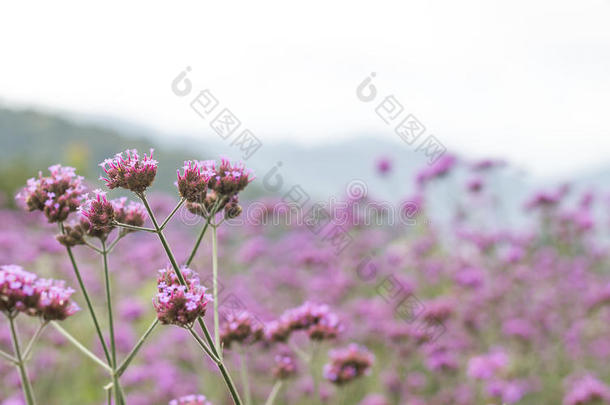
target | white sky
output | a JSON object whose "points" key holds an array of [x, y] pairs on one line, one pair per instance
{"points": [[526, 80]]}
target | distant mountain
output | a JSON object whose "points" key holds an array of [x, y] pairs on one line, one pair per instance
{"points": [[30, 140]]}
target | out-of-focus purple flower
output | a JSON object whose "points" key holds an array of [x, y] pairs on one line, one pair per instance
{"points": [[240, 328], [441, 168], [518, 327], [56, 195], [474, 185], [485, 366], [277, 331], [384, 165], [487, 164], [586, 390], [546, 199], [374, 399], [190, 400], [316, 319], [348, 363], [178, 304], [131, 171], [285, 366]]}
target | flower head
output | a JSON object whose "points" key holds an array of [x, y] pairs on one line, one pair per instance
{"points": [[316, 319], [130, 214], [285, 366], [229, 178], [240, 328], [23, 291], [179, 304], [97, 215], [193, 182], [131, 171], [348, 363], [56, 195], [190, 400], [73, 235], [16, 287], [587, 390]]}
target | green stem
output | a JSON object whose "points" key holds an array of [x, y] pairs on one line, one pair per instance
{"points": [[25, 381], [8, 357], [80, 347], [201, 343], [121, 369], [114, 242], [273, 393], [172, 259], [172, 213], [198, 242], [134, 228], [244, 376], [115, 379], [28, 350], [89, 305], [215, 289]]}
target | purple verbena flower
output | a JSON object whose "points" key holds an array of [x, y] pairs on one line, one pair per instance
{"points": [[190, 400], [348, 363], [56, 195], [178, 304], [131, 171]]}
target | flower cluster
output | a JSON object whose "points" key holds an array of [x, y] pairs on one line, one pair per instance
{"points": [[178, 304], [240, 328], [190, 400], [22, 291], [348, 363], [587, 390], [131, 214], [206, 186], [131, 171], [229, 179], [285, 366], [73, 235], [97, 215], [315, 319], [193, 183], [485, 367], [56, 195]]}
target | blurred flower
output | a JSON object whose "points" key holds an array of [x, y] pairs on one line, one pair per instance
{"points": [[285, 366], [384, 166], [347, 364], [240, 328], [485, 366], [190, 400], [587, 390]]}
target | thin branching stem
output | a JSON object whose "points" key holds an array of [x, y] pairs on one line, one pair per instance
{"points": [[28, 392], [134, 228], [28, 349], [274, 391], [174, 263], [164, 224], [81, 347], [121, 369], [89, 305]]}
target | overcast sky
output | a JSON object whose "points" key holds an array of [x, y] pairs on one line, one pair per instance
{"points": [[524, 79]]}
